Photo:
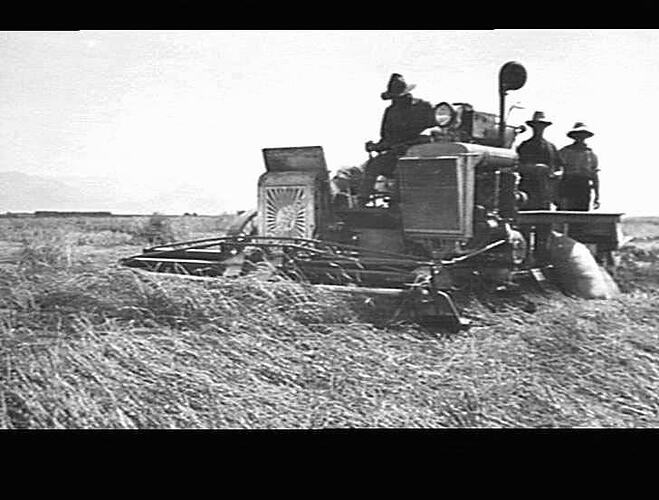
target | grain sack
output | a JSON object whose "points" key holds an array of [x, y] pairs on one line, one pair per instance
{"points": [[577, 270]]}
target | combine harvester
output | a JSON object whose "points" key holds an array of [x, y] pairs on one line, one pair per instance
{"points": [[453, 225]]}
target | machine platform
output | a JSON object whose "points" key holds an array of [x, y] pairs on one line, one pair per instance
{"points": [[594, 228]]}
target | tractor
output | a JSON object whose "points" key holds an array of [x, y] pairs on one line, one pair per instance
{"points": [[450, 221]]}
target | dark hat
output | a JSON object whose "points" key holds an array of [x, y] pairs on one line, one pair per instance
{"points": [[538, 119], [579, 129], [396, 87]]}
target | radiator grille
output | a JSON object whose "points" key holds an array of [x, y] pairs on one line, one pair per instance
{"points": [[432, 196]]}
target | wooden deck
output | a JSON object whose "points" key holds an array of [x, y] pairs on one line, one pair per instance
{"points": [[566, 217], [602, 229]]}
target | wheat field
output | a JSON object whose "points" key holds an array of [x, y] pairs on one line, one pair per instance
{"points": [[87, 344]]}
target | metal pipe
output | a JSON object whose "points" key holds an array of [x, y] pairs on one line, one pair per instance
{"points": [[277, 242], [497, 190], [357, 272], [502, 117], [392, 292], [475, 253]]}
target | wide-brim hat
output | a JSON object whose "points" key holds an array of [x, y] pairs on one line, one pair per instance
{"points": [[579, 129], [397, 87], [538, 118]]}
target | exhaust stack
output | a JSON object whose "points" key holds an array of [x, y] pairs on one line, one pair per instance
{"points": [[512, 76]]}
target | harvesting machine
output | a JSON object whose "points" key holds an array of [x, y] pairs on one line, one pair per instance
{"points": [[451, 221]]}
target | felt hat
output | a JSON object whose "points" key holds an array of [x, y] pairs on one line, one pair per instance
{"points": [[396, 87], [579, 129], [539, 118]]}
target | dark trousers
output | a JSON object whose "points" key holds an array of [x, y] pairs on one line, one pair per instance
{"points": [[535, 182], [574, 192]]}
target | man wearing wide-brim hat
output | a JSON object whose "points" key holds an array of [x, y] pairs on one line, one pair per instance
{"points": [[581, 172], [538, 120], [540, 165], [406, 117], [540, 168], [402, 124]]}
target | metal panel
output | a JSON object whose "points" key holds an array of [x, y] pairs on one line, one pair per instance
{"points": [[590, 227], [492, 156], [301, 159], [468, 166], [566, 216], [287, 205], [286, 212], [434, 195]]}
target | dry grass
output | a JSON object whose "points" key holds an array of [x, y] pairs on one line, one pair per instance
{"points": [[85, 347], [111, 231]]}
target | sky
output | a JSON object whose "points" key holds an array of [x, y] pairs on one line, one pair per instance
{"points": [[188, 112]]}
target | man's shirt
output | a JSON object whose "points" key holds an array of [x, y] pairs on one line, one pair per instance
{"points": [[404, 121], [579, 160], [539, 150]]}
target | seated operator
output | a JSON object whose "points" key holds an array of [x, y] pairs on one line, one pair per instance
{"points": [[402, 124]]}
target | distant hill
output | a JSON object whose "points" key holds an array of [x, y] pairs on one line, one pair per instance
{"points": [[20, 192]]}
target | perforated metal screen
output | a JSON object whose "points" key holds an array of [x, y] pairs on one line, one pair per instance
{"points": [[286, 211]]}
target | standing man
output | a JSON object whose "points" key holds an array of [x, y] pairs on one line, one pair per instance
{"points": [[581, 172], [402, 124], [540, 165]]}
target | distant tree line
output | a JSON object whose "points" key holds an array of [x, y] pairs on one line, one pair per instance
{"points": [[54, 213]]}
